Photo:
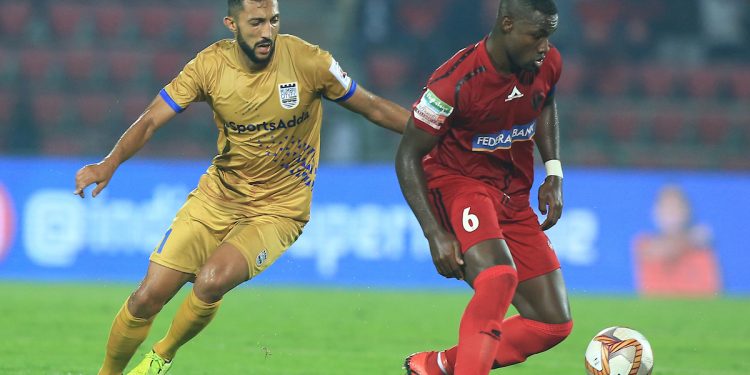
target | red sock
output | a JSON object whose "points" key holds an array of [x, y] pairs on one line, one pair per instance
{"points": [[479, 333], [525, 337], [522, 338]]}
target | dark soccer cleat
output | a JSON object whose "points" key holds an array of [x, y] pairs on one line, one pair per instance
{"points": [[426, 363]]}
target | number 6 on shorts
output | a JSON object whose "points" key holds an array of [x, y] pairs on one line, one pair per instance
{"points": [[469, 220]]}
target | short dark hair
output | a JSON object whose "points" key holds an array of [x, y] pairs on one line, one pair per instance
{"points": [[234, 6], [525, 8]]}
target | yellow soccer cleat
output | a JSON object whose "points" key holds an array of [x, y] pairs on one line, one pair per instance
{"points": [[152, 365]]}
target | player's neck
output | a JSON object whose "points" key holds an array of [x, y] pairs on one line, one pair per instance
{"points": [[496, 52]]}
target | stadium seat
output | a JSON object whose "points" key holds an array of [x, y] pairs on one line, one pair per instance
{"points": [[132, 105], [739, 79], [7, 106], [167, 64], [80, 66], [571, 80], [49, 110], [66, 19], [37, 64], [199, 23], [153, 21], [657, 81], [14, 18], [668, 126], [95, 109], [624, 126], [703, 83], [586, 124], [387, 70], [125, 66], [111, 19], [713, 129], [614, 81]]}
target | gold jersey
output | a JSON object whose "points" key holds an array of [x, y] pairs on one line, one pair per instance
{"points": [[269, 123]]}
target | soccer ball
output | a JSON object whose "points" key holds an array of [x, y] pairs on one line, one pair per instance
{"points": [[619, 351]]}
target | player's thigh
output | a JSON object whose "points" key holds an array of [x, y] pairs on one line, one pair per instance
{"points": [[531, 249], [262, 240], [192, 237], [468, 211], [543, 298], [486, 254]]}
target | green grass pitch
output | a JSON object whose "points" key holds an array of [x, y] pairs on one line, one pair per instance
{"points": [[62, 329]]}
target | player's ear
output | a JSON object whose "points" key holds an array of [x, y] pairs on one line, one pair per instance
{"points": [[506, 24], [229, 23]]}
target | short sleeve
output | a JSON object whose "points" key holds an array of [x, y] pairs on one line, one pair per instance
{"points": [[187, 87], [331, 80], [434, 109]]}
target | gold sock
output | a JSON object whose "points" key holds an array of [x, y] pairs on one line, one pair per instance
{"points": [[190, 319], [126, 334]]}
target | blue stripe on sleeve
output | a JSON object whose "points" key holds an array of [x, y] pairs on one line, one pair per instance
{"points": [[349, 93], [164, 241], [168, 99]]}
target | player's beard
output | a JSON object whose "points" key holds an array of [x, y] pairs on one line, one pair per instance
{"points": [[250, 52]]}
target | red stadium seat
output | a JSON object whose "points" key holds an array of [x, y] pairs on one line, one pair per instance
{"points": [[133, 104], [66, 19], [110, 20], [586, 124], [668, 126], [739, 79], [125, 66], [199, 23], [8, 103], [713, 129], [624, 126], [49, 110], [571, 80], [80, 65], [657, 81], [36, 64], [167, 65], [703, 83], [14, 18], [387, 70], [153, 21], [94, 109], [614, 81]]}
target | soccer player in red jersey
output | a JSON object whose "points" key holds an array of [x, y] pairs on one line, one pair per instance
{"points": [[465, 165]]}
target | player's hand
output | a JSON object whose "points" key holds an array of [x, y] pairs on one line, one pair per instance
{"points": [[550, 200], [446, 254], [99, 174]]}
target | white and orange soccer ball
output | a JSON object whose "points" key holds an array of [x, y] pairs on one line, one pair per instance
{"points": [[619, 351]]}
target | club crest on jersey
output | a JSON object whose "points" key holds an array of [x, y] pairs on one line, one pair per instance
{"points": [[262, 256], [289, 95]]}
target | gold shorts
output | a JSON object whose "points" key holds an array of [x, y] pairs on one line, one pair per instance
{"points": [[199, 228]]}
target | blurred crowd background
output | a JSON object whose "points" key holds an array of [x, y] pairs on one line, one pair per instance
{"points": [[646, 83]]}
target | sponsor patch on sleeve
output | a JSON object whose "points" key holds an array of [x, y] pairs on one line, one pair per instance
{"points": [[432, 110], [340, 74]]}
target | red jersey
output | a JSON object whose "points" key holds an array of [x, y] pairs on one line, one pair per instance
{"points": [[486, 119]]}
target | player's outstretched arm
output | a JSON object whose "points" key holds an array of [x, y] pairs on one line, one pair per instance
{"points": [[155, 115], [380, 111], [445, 249], [547, 140]]}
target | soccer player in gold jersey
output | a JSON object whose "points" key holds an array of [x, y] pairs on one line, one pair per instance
{"points": [[265, 90]]}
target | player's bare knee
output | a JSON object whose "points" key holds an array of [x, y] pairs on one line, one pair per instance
{"points": [[210, 287], [145, 304]]}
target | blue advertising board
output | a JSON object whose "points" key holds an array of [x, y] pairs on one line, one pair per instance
{"points": [[362, 233]]}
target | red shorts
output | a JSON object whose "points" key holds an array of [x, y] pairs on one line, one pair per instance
{"points": [[477, 212]]}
